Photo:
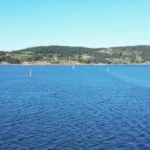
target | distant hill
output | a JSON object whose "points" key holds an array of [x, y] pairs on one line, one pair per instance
{"points": [[77, 55]]}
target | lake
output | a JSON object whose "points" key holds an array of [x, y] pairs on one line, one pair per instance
{"points": [[85, 108]]}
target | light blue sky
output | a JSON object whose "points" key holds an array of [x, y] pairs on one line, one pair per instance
{"points": [[91, 23]]}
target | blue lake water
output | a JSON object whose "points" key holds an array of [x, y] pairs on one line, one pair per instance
{"points": [[88, 108]]}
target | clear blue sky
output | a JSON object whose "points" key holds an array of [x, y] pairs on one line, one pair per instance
{"points": [[91, 23]]}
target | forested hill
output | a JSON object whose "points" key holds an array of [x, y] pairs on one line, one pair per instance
{"points": [[77, 55]]}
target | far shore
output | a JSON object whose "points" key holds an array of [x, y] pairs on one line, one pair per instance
{"points": [[7, 64]]}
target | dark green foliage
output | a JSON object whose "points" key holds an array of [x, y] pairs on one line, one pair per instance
{"points": [[63, 51], [10, 60], [2, 53], [146, 55], [132, 48], [85, 61]]}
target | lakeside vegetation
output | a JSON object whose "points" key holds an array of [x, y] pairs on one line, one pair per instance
{"points": [[77, 55]]}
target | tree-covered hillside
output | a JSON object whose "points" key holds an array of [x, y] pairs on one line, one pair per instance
{"points": [[77, 55]]}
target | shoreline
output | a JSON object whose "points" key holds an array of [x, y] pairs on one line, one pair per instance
{"points": [[140, 64]]}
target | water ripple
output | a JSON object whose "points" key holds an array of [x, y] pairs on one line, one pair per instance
{"points": [[84, 111]]}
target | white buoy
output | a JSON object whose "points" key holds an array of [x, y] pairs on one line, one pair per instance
{"points": [[107, 69], [30, 74], [73, 67]]}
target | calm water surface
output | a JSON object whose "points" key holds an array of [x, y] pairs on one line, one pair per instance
{"points": [[88, 108]]}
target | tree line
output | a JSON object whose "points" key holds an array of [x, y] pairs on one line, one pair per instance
{"points": [[131, 54]]}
